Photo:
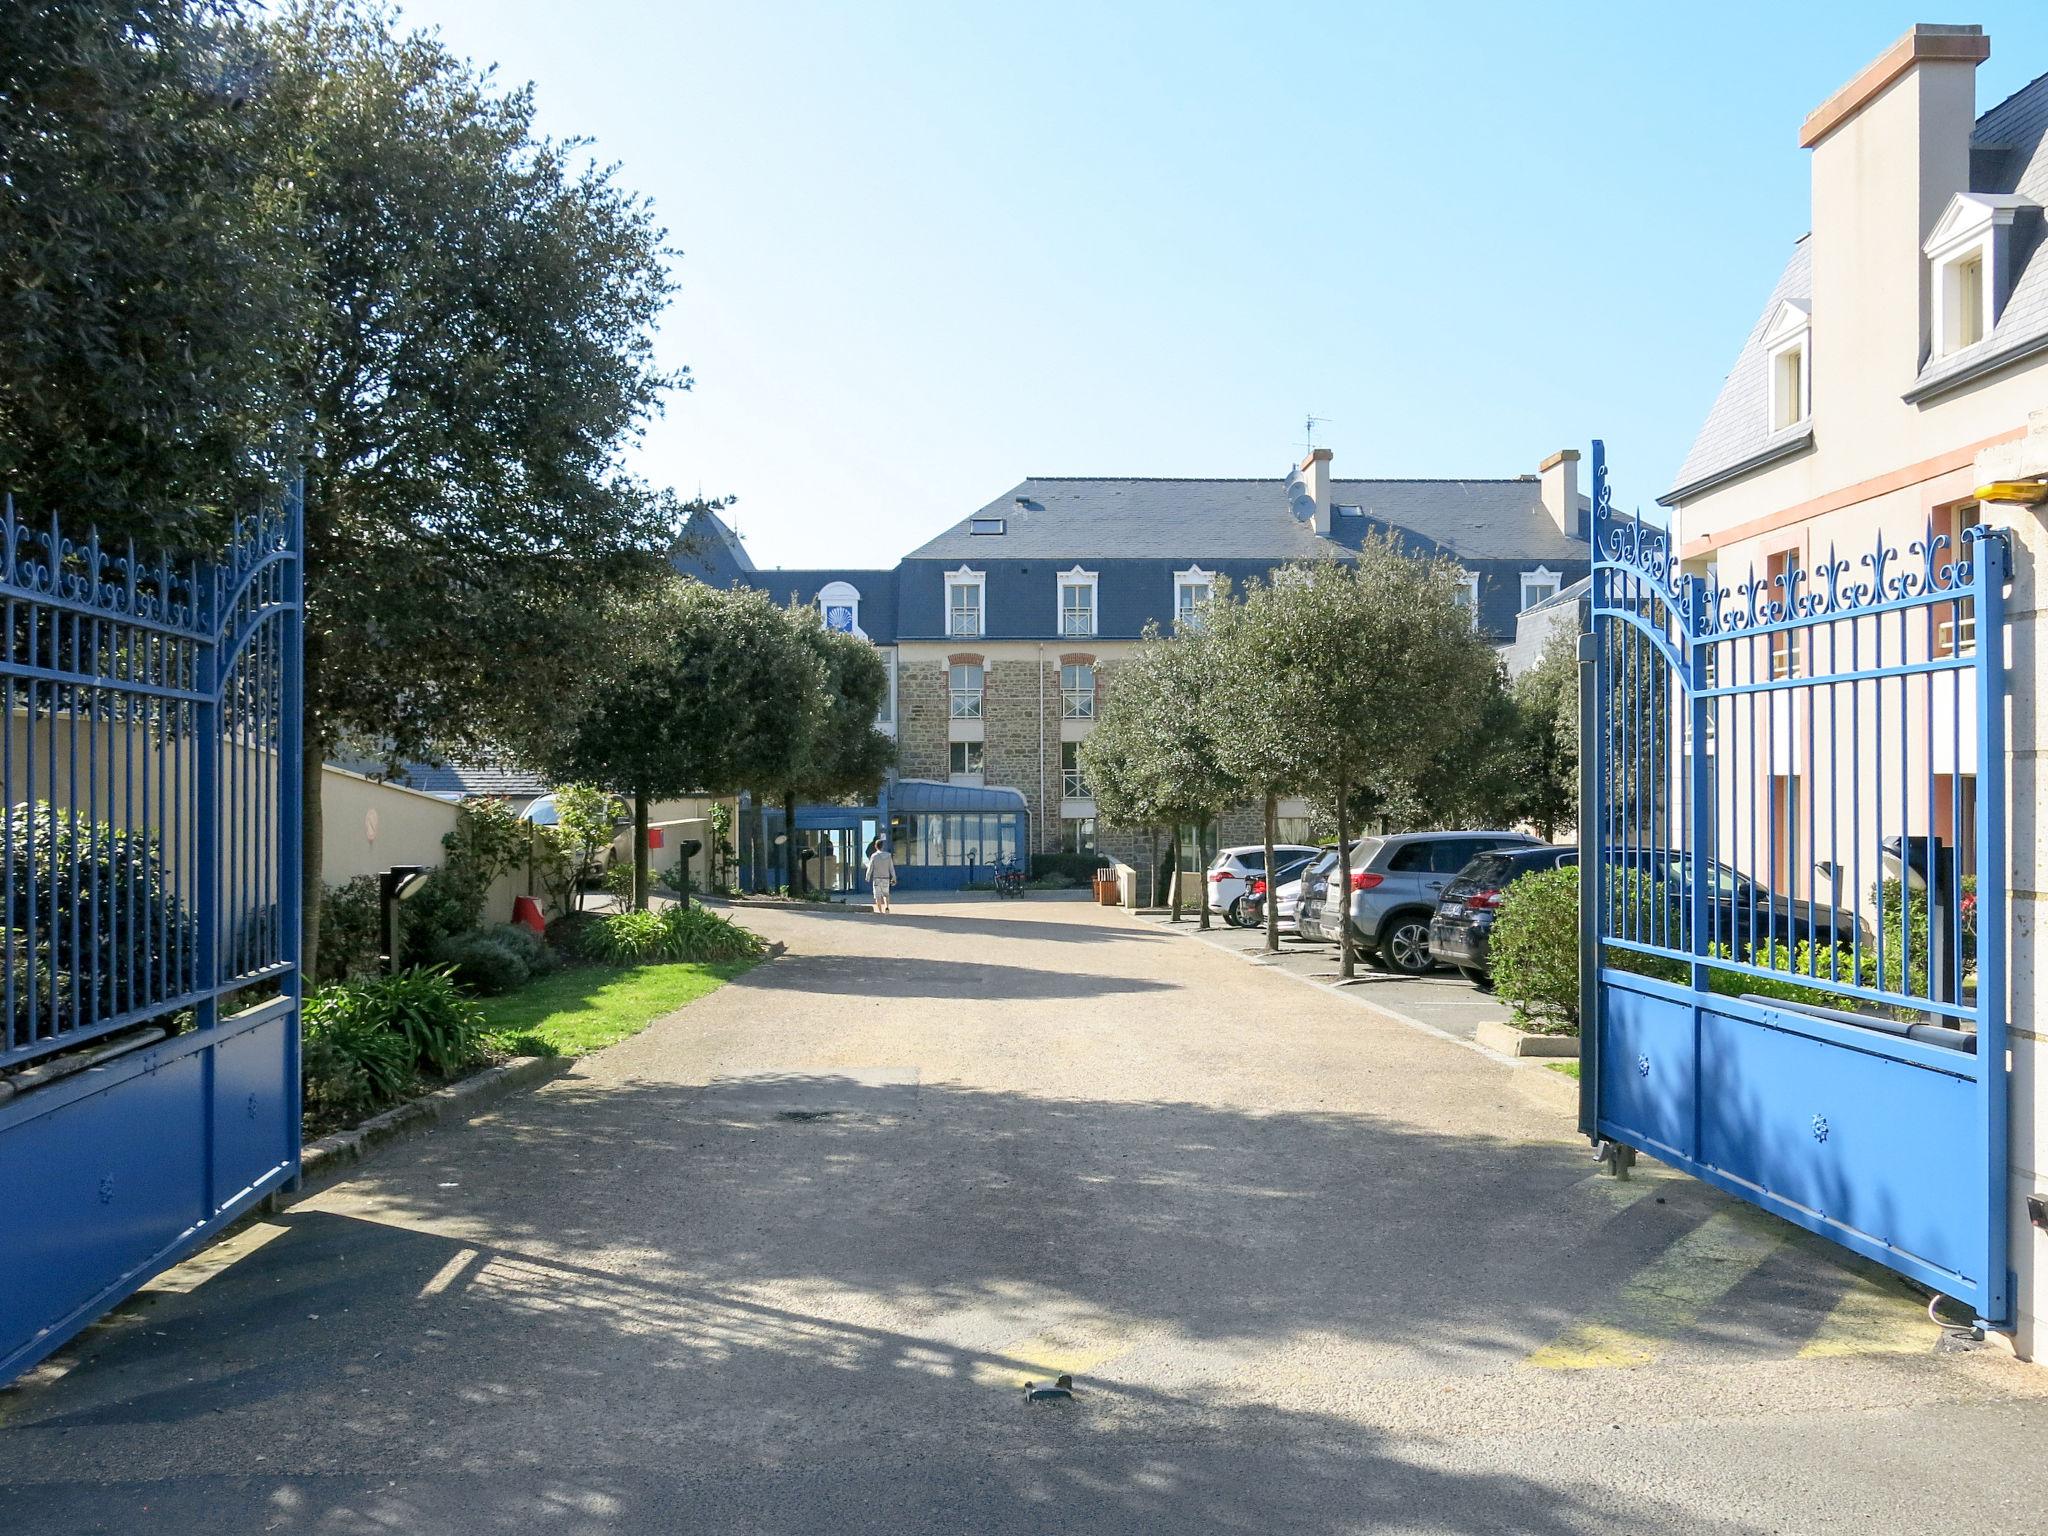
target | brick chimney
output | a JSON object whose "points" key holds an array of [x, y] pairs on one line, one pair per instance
{"points": [[1560, 476], [1315, 479], [1890, 150]]}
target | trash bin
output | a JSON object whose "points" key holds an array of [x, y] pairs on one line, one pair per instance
{"points": [[1105, 887]]}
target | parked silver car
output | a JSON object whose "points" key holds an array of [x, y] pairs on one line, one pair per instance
{"points": [[1395, 885]]}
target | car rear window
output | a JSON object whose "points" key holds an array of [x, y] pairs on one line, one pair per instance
{"points": [[1253, 859], [1488, 870]]}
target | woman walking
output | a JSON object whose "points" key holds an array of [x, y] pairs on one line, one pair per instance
{"points": [[881, 874]]}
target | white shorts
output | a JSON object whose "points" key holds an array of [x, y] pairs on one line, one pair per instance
{"points": [[882, 889]]}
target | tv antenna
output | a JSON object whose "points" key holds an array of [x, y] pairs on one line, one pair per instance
{"points": [[1308, 426]]}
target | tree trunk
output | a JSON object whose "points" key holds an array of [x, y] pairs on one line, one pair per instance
{"points": [[1173, 865], [312, 758], [1202, 873], [1272, 887], [639, 850], [1347, 963], [792, 866], [1152, 869]]}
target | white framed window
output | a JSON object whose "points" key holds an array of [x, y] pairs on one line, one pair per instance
{"points": [[1073, 781], [1788, 342], [964, 762], [1539, 586], [1077, 834], [1077, 691], [1191, 588], [1077, 602], [965, 591], [1467, 595], [964, 689]]}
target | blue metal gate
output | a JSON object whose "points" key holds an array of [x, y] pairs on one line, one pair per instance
{"points": [[149, 851], [1794, 795]]}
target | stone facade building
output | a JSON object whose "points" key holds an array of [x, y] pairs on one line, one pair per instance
{"points": [[1005, 631]]}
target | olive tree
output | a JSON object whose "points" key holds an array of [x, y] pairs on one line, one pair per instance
{"points": [[708, 690], [1380, 680], [1161, 713]]}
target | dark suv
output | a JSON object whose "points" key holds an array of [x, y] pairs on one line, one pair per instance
{"points": [[1461, 932]]}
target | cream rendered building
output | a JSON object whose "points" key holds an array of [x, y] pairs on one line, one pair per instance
{"points": [[1901, 362]]}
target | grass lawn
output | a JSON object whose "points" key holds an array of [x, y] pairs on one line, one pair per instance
{"points": [[588, 1007], [1568, 1068]]}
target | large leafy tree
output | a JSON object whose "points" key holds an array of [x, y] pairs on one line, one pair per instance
{"points": [[477, 352], [846, 753], [706, 691], [1381, 681], [1546, 699], [144, 299]]}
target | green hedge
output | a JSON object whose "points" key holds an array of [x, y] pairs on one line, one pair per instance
{"points": [[1534, 952], [1077, 867]]}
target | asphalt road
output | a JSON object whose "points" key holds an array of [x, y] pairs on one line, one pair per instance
{"points": [[783, 1262]]}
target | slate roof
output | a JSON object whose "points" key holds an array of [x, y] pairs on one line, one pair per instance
{"points": [[1083, 518], [2008, 153], [474, 780], [708, 549], [1737, 434], [877, 589]]}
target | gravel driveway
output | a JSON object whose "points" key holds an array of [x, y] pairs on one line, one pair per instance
{"points": [[783, 1262]]}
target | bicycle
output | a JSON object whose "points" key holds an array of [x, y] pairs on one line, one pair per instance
{"points": [[1009, 876]]}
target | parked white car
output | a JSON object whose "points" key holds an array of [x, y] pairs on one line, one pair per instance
{"points": [[1231, 873]]}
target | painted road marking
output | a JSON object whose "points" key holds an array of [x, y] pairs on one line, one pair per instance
{"points": [[1874, 1317], [1045, 1356], [1664, 1298]]}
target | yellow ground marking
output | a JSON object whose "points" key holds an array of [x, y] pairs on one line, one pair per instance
{"points": [[187, 1277], [1874, 1317], [446, 1275], [1045, 1356], [1663, 1298]]}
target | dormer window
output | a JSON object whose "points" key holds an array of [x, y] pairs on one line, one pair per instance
{"points": [[1467, 595], [1077, 602], [1789, 339], [1191, 589], [1969, 261], [840, 603], [964, 592], [1538, 586]]}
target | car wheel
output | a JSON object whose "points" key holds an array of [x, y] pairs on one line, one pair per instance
{"points": [[1234, 914], [1477, 977], [1404, 943]]}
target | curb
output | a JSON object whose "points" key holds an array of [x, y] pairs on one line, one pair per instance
{"points": [[1529, 1072], [326, 1157]]}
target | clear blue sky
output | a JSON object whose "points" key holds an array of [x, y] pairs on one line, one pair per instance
{"points": [[929, 249]]}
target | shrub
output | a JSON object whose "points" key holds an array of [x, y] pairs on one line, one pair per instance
{"points": [[1077, 867], [675, 879], [674, 933], [91, 884], [1535, 951], [527, 945], [570, 934], [351, 929], [1055, 881], [442, 1030], [483, 962], [449, 902], [618, 880], [349, 1063]]}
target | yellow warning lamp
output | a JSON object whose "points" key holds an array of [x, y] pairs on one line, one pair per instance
{"points": [[2024, 493]]}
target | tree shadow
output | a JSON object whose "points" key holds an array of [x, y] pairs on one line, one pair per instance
{"points": [[901, 976], [642, 1306]]}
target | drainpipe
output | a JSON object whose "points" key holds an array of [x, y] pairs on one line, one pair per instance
{"points": [[1041, 752]]}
